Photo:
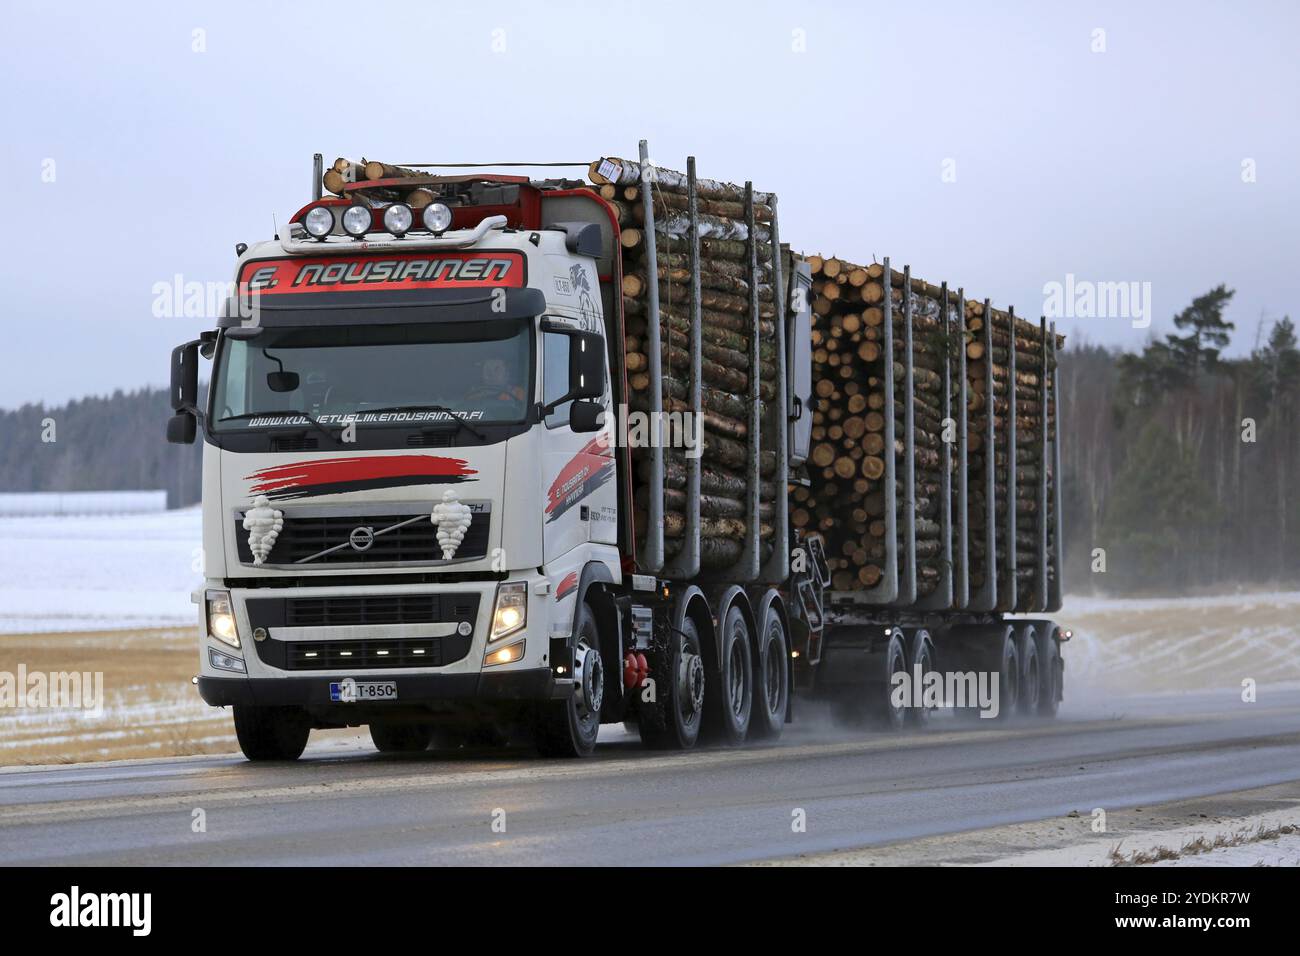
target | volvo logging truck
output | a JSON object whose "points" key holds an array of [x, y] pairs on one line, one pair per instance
{"points": [[486, 455]]}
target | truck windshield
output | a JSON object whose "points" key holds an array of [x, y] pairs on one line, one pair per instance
{"points": [[391, 374]]}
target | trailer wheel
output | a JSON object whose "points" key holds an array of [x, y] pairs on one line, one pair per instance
{"points": [[568, 728], [1052, 670], [1031, 677], [1008, 677], [400, 738], [772, 677], [920, 659], [671, 719], [730, 708], [888, 712], [271, 733]]}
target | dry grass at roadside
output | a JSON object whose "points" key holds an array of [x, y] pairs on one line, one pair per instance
{"points": [[150, 707]]}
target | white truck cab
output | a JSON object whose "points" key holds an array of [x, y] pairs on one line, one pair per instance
{"points": [[408, 472]]}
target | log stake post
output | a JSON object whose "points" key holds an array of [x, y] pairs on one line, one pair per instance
{"points": [[1054, 604], [1040, 599], [1009, 598], [778, 565], [317, 171], [687, 563], [652, 555], [886, 590], [907, 588], [941, 598], [962, 596], [746, 569], [987, 597]]}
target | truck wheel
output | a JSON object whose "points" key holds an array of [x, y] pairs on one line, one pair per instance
{"points": [[1008, 677], [1031, 681], [732, 705], [671, 721], [400, 738], [920, 659], [771, 678], [890, 715], [271, 733], [568, 728], [1052, 671]]}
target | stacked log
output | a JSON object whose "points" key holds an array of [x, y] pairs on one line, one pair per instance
{"points": [[845, 498], [1013, 349], [726, 325]]}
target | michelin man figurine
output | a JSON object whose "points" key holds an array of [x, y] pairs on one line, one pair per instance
{"points": [[452, 517], [263, 524]]}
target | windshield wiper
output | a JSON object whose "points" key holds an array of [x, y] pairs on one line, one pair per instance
{"points": [[285, 412], [457, 416]]}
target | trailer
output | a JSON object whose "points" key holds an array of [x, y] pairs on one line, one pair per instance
{"points": [[488, 455]]}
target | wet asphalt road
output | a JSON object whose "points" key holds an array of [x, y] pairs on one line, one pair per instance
{"points": [[626, 805]]}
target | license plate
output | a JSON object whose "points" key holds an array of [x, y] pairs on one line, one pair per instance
{"points": [[351, 691]]}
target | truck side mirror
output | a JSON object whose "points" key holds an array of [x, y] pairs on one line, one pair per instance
{"points": [[185, 376], [586, 416], [181, 428], [586, 366]]}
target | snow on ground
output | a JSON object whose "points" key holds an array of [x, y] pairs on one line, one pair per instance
{"points": [[99, 572], [1264, 839]]}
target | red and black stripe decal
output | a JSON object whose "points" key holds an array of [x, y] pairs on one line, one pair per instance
{"points": [[586, 471], [568, 584], [337, 476]]}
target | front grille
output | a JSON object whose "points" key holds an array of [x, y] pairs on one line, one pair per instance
{"points": [[376, 609], [370, 655], [273, 612], [303, 537]]}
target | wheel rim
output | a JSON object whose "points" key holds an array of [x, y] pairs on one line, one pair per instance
{"points": [[1032, 685], [774, 672], [736, 680], [925, 662], [589, 682], [690, 680]]}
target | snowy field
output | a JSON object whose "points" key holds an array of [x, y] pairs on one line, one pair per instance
{"points": [[98, 572]]}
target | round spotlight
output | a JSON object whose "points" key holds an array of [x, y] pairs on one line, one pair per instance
{"points": [[357, 220], [398, 218], [319, 221], [437, 217]]}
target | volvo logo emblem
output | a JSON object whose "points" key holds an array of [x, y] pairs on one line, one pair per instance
{"points": [[361, 538]]}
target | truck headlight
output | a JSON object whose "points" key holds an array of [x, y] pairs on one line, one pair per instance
{"points": [[357, 220], [511, 613], [221, 618], [505, 655], [436, 217], [398, 219], [319, 221]]}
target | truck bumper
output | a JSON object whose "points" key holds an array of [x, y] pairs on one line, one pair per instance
{"points": [[412, 689]]}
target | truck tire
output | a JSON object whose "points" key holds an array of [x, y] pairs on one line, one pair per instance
{"points": [[672, 720], [400, 738], [568, 728], [1031, 682], [1052, 670], [920, 659], [730, 703], [1008, 677], [886, 711], [271, 733], [771, 677]]}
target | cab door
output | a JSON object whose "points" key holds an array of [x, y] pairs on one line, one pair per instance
{"points": [[577, 467]]}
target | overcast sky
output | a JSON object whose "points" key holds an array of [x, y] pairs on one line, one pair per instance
{"points": [[999, 146]]}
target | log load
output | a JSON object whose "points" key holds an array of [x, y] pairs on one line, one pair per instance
{"points": [[729, 287]]}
